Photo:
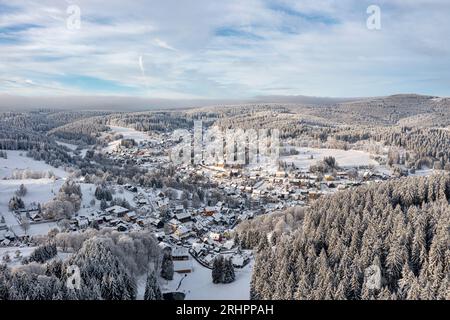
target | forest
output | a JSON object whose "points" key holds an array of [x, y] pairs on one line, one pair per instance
{"points": [[401, 227]]}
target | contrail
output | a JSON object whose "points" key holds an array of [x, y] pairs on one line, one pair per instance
{"points": [[141, 66]]}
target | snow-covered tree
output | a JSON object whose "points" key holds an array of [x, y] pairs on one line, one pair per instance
{"points": [[152, 290]]}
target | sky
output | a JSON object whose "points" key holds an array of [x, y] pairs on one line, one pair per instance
{"points": [[228, 49]]}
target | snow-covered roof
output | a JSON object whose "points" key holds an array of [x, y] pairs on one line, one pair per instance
{"points": [[183, 215], [228, 244], [117, 209], [183, 229], [131, 214], [183, 265], [197, 247], [180, 252], [164, 245], [238, 260], [174, 222]]}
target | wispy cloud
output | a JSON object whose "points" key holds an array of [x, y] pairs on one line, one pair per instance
{"points": [[231, 49]]}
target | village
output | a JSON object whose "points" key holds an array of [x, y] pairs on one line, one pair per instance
{"points": [[203, 230]]}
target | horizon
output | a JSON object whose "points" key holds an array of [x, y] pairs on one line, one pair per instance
{"points": [[10, 103], [207, 50]]}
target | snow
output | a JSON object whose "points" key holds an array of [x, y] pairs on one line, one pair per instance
{"points": [[344, 158], [39, 191], [423, 173], [11, 251], [72, 147], [198, 285], [19, 160], [127, 133]]}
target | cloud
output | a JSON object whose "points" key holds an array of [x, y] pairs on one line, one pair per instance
{"points": [[162, 44], [212, 49]]}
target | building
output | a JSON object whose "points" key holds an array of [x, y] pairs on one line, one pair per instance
{"points": [[130, 216], [209, 211], [182, 232], [183, 217], [181, 260], [117, 210]]}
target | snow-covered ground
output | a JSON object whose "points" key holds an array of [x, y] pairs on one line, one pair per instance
{"points": [[39, 191], [17, 160], [344, 158], [127, 133], [67, 145], [11, 251], [198, 284]]}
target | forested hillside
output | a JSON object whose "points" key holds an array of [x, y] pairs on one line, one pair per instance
{"points": [[401, 226], [108, 261]]}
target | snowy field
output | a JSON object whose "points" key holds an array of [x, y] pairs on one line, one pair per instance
{"points": [[19, 160], [198, 284], [127, 133], [67, 145], [345, 159], [41, 190], [11, 251]]}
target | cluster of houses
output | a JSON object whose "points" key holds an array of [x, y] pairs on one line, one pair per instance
{"points": [[117, 217], [152, 152]]}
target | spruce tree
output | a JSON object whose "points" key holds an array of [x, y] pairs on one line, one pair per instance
{"points": [[152, 290], [167, 266]]}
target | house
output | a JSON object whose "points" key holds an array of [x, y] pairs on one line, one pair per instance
{"points": [[36, 216], [165, 247], [183, 217], [82, 222], [179, 209], [157, 223], [122, 227], [142, 202], [117, 210], [181, 260], [198, 248], [130, 216], [228, 245], [114, 222], [240, 260], [218, 217], [180, 254], [182, 232], [107, 218], [173, 224], [209, 211], [215, 236]]}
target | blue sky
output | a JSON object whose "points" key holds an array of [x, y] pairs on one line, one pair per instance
{"points": [[224, 49]]}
